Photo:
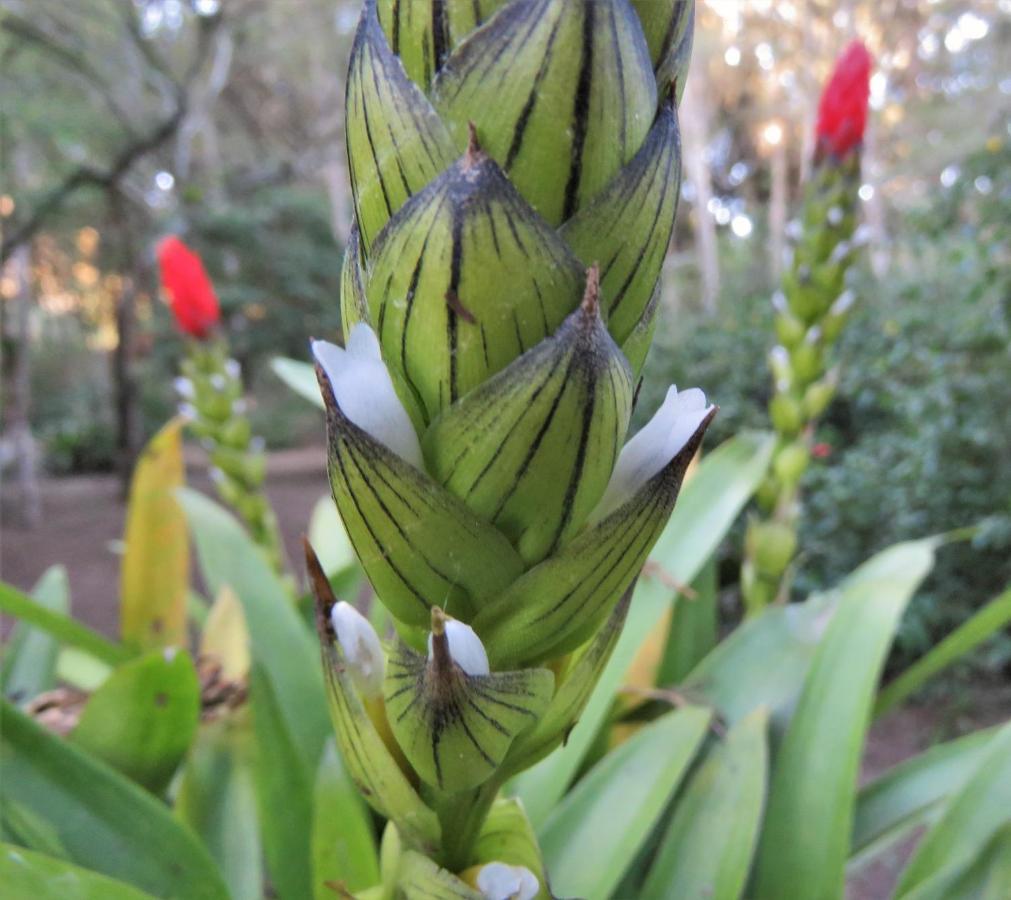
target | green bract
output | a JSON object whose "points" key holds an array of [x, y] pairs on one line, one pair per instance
{"points": [[516, 170]]}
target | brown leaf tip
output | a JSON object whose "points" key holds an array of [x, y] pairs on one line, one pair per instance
{"points": [[474, 152], [591, 294]]}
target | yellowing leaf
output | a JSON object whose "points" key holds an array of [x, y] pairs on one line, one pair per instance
{"points": [[156, 562], [225, 636]]}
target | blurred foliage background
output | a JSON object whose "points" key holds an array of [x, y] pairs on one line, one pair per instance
{"points": [[125, 120]]}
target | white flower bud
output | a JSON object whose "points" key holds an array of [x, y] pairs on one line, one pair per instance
{"points": [[779, 302], [364, 391], [840, 251], [499, 881], [218, 381], [183, 387], [653, 447], [835, 216], [813, 335], [794, 230], [233, 369], [188, 411], [465, 648], [362, 650], [861, 236], [216, 475], [239, 407], [842, 303], [779, 357]]}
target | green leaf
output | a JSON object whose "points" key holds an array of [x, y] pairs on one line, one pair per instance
{"points": [[981, 625], [24, 874], [464, 279], [142, 719], [155, 573], [280, 641], [216, 798], [329, 539], [627, 226], [283, 794], [972, 817], [419, 545], [693, 624], [354, 305], [557, 605], [423, 32], [707, 508], [396, 143], [29, 660], [300, 377], [532, 449], [366, 755], [985, 876], [456, 728], [595, 832], [911, 793], [24, 827], [762, 663], [343, 842], [810, 815], [102, 819], [62, 627], [562, 95], [707, 849], [420, 878]]}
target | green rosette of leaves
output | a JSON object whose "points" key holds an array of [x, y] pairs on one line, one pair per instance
{"points": [[515, 170], [811, 310]]}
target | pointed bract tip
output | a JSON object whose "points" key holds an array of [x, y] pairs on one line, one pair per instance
{"points": [[591, 294], [438, 620], [474, 152], [321, 590]]}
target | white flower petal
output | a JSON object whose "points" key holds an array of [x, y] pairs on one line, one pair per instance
{"points": [[653, 447], [499, 881], [362, 649], [365, 394], [465, 647]]}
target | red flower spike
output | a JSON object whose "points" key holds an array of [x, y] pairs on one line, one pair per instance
{"points": [[842, 112], [191, 294]]}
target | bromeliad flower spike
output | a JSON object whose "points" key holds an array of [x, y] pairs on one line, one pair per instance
{"points": [[191, 294], [811, 310], [515, 170]]}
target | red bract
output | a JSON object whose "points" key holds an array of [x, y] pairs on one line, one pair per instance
{"points": [[191, 294], [842, 112]]}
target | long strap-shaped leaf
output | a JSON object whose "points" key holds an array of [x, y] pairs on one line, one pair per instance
{"points": [[25, 874], [369, 761], [396, 143], [29, 661], [595, 833], [560, 603], [972, 817], [532, 449], [463, 280], [809, 819], [419, 545], [707, 849], [562, 95], [100, 818], [456, 728], [626, 228]]}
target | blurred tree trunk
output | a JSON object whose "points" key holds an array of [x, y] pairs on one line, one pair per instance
{"points": [[695, 134], [128, 436], [778, 201], [17, 405]]}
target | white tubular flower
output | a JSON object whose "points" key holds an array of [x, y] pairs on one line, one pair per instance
{"points": [[233, 369], [184, 387], [365, 394], [361, 647], [499, 881], [465, 648], [843, 303], [653, 447]]}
